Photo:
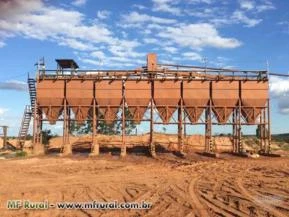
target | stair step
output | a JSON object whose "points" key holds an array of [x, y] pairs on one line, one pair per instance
{"points": [[29, 110]]}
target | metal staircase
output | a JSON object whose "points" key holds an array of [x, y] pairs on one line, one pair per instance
{"points": [[28, 112], [32, 92]]}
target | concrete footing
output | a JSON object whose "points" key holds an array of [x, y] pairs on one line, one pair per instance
{"points": [[67, 150], [38, 149], [241, 154], [123, 152], [269, 154], [211, 154], [152, 148], [94, 150]]}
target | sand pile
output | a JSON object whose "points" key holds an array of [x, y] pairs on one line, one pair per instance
{"points": [[1, 143], [14, 142], [169, 141]]}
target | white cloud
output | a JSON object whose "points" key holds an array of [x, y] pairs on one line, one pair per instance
{"points": [[90, 61], [166, 6], [285, 110], [140, 7], [71, 30], [279, 89], [279, 86], [103, 14], [198, 36], [265, 6], [137, 18], [11, 8], [151, 41], [79, 2], [192, 56], [248, 13], [3, 110], [170, 49], [154, 26], [93, 37], [2, 44], [41, 25], [283, 105], [125, 49], [98, 54], [75, 44], [247, 4], [240, 16], [114, 62], [200, 1], [261, 6], [13, 85]]}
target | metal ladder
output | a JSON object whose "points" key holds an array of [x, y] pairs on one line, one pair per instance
{"points": [[28, 112], [32, 93]]}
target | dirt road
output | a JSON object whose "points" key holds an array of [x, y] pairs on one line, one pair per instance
{"points": [[195, 186]]}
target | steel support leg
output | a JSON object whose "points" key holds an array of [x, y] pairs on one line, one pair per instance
{"points": [[67, 149], [95, 145], [38, 148], [123, 146], [239, 130], [208, 136], [268, 150], [152, 143], [180, 124], [234, 132], [4, 136]]}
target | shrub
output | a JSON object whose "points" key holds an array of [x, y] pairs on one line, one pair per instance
{"points": [[21, 154]]}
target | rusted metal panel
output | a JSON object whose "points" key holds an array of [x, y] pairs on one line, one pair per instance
{"points": [[109, 113], [50, 96], [108, 96], [254, 95], [151, 62], [225, 96], [166, 96], [137, 95], [196, 95], [79, 95]]}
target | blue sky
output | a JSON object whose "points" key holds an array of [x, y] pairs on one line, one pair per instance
{"points": [[245, 34]]}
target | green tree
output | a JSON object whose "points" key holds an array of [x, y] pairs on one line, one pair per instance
{"points": [[258, 131], [103, 127], [46, 136], [29, 137]]}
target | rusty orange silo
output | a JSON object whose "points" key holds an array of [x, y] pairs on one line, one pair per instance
{"points": [[254, 96], [108, 96], [137, 96], [196, 95], [79, 95], [225, 96], [50, 98], [166, 96]]}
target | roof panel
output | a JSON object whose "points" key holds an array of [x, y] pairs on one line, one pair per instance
{"points": [[67, 63]]}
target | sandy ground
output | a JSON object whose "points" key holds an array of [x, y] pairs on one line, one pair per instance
{"points": [[194, 186], [168, 141]]}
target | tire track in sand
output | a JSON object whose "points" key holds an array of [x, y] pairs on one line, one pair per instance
{"points": [[197, 205], [246, 193]]}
